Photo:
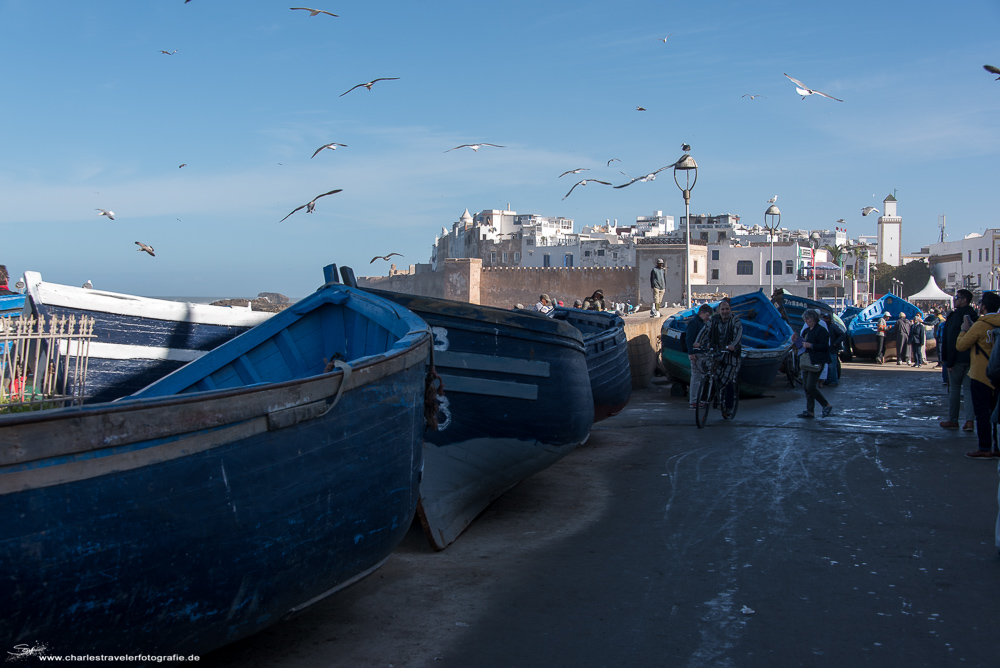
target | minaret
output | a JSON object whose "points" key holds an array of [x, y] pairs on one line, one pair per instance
{"points": [[890, 234]]}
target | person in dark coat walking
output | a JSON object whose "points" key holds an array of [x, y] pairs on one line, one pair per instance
{"points": [[918, 337], [816, 342], [902, 339], [957, 363]]}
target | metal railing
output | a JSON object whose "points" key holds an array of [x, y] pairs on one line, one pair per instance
{"points": [[43, 363]]}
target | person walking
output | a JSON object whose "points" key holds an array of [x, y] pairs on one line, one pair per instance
{"points": [[724, 331], [880, 340], [918, 337], [815, 342], [902, 339], [695, 325], [977, 338], [957, 362], [658, 282]]}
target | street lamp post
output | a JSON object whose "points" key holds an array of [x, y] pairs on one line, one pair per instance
{"points": [[871, 275], [772, 219], [687, 165]]}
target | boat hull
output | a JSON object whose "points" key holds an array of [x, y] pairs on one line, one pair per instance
{"points": [[185, 522], [138, 340], [518, 400], [607, 358]]}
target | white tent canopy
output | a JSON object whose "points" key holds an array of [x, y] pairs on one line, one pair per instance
{"points": [[931, 292]]}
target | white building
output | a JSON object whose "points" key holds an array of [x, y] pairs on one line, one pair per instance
{"points": [[890, 234], [967, 263]]}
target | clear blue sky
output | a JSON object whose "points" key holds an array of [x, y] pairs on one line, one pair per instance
{"points": [[93, 115]]}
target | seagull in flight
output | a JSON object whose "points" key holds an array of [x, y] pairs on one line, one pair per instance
{"points": [[868, 209], [664, 40], [585, 182], [754, 97], [369, 84], [773, 200], [609, 163], [183, 164], [474, 147], [332, 146], [648, 177], [169, 53], [384, 257], [144, 247], [575, 171], [640, 108], [105, 212], [804, 90], [311, 205], [314, 12], [992, 70]]}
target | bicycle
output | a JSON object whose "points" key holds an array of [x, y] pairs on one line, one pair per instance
{"points": [[711, 364]]}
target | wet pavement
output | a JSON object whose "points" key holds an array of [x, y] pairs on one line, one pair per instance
{"points": [[862, 539]]}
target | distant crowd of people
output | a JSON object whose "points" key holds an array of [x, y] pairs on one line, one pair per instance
{"points": [[595, 302]]}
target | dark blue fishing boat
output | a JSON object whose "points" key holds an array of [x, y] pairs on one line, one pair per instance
{"points": [[11, 305], [607, 358], [766, 342], [865, 325], [518, 400], [139, 340], [238, 490], [848, 314]]}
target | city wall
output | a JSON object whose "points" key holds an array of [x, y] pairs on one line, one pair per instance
{"points": [[466, 280], [506, 286]]}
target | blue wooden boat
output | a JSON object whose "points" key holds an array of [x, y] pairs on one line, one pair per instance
{"points": [[607, 358], [139, 340], [865, 325], [766, 342], [11, 305], [848, 314], [238, 490], [518, 400]]}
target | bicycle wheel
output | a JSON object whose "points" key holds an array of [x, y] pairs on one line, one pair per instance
{"points": [[704, 401], [736, 401]]}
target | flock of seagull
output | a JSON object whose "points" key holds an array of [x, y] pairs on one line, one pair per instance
{"points": [[800, 88]]}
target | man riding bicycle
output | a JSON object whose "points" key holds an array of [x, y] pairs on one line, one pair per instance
{"points": [[724, 331]]}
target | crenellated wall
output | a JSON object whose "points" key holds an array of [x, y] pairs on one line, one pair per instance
{"points": [[506, 286], [466, 280]]}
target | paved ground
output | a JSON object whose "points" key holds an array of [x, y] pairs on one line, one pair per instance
{"points": [[865, 538]]}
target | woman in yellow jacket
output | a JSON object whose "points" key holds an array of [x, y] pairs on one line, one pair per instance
{"points": [[979, 340]]}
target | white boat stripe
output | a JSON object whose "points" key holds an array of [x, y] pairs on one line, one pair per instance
{"points": [[121, 351]]}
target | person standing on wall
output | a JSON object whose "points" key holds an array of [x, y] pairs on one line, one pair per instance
{"points": [[658, 282]]}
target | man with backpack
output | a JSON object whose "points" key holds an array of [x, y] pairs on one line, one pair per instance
{"points": [[978, 339]]}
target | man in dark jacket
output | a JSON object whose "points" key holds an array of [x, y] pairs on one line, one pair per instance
{"points": [[658, 283], [957, 363], [902, 339]]}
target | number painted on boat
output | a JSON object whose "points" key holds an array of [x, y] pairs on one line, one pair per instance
{"points": [[440, 338], [444, 413]]}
